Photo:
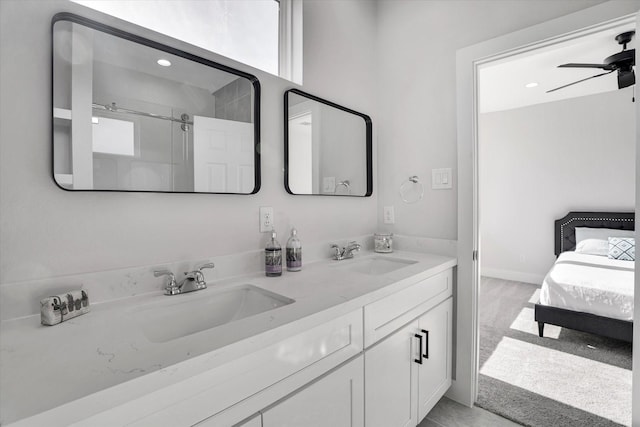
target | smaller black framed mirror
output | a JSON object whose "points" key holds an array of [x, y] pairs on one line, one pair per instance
{"points": [[327, 148]]}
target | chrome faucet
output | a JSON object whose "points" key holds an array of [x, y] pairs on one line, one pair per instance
{"points": [[172, 286], [346, 252], [194, 280]]}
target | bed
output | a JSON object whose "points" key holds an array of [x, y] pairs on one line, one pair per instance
{"points": [[585, 289]]}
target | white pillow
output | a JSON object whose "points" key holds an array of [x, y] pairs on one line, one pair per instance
{"points": [[593, 247], [583, 233]]}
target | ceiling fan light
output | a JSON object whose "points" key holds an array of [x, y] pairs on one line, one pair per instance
{"points": [[626, 78], [531, 85]]}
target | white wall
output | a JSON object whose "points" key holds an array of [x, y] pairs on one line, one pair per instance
{"points": [[47, 232], [537, 163], [417, 88]]}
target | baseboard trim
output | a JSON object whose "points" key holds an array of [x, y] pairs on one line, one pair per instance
{"points": [[517, 276], [459, 393]]}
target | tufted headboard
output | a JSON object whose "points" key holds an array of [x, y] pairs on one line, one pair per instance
{"points": [[565, 235]]}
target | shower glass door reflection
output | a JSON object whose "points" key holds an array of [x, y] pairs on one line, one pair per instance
{"points": [[141, 149]]}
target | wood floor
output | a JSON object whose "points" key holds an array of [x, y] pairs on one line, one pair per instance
{"points": [[579, 379], [448, 413]]}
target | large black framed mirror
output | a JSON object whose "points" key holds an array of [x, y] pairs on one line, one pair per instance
{"points": [[327, 147], [132, 114]]}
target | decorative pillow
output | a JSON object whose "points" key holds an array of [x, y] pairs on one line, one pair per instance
{"points": [[583, 233], [622, 248], [593, 247]]}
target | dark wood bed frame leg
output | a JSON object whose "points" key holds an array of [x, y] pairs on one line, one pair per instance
{"points": [[540, 329]]}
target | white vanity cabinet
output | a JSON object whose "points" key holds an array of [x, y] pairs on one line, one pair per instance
{"points": [[394, 382], [408, 371], [358, 363], [434, 374], [406, 374], [253, 422], [386, 315], [390, 379], [254, 382], [336, 400]]}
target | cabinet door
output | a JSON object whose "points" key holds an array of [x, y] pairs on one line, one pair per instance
{"points": [[336, 400], [434, 375], [390, 380]]}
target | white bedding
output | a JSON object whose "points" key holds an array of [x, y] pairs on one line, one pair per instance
{"points": [[590, 283]]}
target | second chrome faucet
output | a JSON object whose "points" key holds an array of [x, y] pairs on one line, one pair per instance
{"points": [[193, 281], [345, 252]]}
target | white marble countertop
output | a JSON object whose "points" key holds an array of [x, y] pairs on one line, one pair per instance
{"points": [[106, 353]]}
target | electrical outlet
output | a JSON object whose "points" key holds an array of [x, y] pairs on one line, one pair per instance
{"points": [[266, 219], [389, 215]]}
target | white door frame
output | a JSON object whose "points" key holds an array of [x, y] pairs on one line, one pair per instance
{"points": [[593, 19]]}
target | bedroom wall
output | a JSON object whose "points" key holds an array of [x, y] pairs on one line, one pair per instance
{"points": [[47, 232], [537, 163]]}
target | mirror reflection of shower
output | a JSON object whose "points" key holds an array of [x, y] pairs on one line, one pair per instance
{"points": [[130, 149], [123, 122]]}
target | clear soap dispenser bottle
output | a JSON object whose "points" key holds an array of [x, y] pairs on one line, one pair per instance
{"points": [[273, 257], [294, 252]]}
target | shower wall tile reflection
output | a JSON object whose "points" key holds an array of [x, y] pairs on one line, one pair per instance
{"points": [[233, 101]]}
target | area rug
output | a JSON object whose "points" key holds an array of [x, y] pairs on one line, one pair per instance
{"points": [[567, 378]]}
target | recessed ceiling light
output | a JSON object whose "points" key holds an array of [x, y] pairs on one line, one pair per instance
{"points": [[530, 85], [164, 62]]}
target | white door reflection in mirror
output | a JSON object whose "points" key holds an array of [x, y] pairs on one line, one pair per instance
{"points": [[301, 172], [222, 156]]}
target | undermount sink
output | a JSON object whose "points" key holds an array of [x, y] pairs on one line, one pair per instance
{"points": [[187, 314], [377, 265]]}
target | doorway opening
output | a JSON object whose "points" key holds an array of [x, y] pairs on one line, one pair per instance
{"points": [[469, 60], [540, 155]]}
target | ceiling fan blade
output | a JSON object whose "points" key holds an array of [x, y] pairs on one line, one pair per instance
{"points": [[572, 65], [580, 81], [626, 78]]}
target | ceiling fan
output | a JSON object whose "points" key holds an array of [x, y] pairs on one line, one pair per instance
{"points": [[622, 62]]}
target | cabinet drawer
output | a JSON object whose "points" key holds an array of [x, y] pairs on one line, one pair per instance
{"points": [[195, 399], [336, 400], [390, 313]]}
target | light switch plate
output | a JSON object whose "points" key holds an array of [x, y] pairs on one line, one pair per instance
{"points": [[441, 179]]}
